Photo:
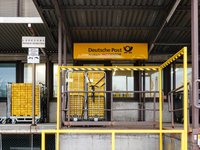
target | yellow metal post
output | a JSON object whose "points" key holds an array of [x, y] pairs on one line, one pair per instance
{"points": [[58, 98], [182, 141], [113, 140], [185, 95], [58, 107], [160, 105], [43, 140], [57, 142]]}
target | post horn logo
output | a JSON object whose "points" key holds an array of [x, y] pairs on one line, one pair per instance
{"points": [[128, 49]]}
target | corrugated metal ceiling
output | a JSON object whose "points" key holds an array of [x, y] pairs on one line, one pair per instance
{"points": [[11, 35], [111, 21]]}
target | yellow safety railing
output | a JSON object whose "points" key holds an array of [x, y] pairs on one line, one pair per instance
{"points": [[160, 131]]}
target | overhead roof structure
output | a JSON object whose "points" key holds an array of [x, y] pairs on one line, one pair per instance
{"points": [[164, 24]]}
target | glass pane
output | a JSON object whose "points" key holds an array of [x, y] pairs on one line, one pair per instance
{"points": [[55, 77], [119, 83], [7, 74], [151, 81], [40, 73], [179, 74], [123, 81]]}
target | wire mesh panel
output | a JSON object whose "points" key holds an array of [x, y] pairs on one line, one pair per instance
{"points": [[98, 103], [27, 141], [96, 82], [76, 103], [76, 82]]}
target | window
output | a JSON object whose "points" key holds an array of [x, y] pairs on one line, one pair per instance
{"points": [[179, 74], [151, 81], [55, 77], [7, 74], [122, 81], [40, 73]]}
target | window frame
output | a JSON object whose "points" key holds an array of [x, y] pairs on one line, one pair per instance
{"points": [[17, 67]]}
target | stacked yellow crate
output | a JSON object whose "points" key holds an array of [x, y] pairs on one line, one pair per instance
{"points": [[97, 79], [77, 99], [99, 103], [15, 101], [29, 99], [22, 99]]}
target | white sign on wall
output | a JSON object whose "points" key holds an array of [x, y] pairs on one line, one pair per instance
{"points": [[33, 51], [33, 59], [33, 41]]}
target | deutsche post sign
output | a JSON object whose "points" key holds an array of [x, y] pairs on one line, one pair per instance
{"points": [[110, 51]]}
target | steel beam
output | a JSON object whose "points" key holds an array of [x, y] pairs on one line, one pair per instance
{"points": [[109, 123], [111, 8], [172, 44], [43, 19], [195, 67], [59, 41], [170, 11], [124, 28], [60, 64], [61, 14]]}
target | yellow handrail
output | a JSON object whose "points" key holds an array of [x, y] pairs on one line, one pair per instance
{"points": [[107, 131], [160, 131]]}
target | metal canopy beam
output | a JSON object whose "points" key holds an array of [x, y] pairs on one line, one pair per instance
{"points": [[172, 44], [44, 20], [170, 11], [111, 8], [123, 28], [61, 14]]}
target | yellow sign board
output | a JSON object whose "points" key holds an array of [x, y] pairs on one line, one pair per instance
{"points": [[110, 51]]}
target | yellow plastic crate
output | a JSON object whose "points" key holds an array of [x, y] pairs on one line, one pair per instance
{"points": [[21, 100], [78, 82], [99, 103], [76, 102]]}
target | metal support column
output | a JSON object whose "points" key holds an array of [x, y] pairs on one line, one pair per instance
{"points": [[33, 94], [65, 49], [48, 85], [194, 40], [174, 74], [65, 64], [60, 64], [144, 93], [140, 97], [1, 141]]}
